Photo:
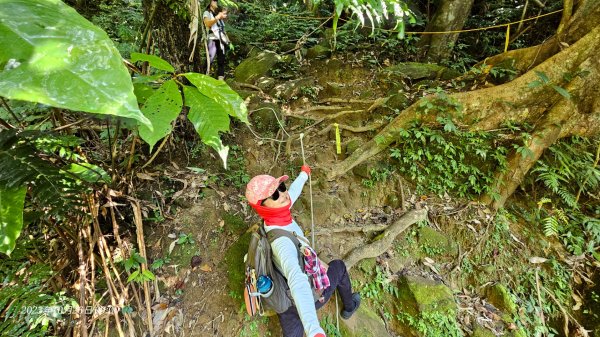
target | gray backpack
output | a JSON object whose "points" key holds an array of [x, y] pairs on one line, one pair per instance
{"points": [[259, 261]]}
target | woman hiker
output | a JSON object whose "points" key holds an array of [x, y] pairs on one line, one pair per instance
{"points": [[273, 202], [217, 39]]}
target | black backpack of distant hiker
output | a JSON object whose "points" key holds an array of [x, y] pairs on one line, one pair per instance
{"points": [[260, 269]]}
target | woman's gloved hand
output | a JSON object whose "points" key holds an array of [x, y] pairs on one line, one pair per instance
{"points": [[305, 168]]}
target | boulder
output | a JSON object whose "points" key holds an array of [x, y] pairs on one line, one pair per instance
{"points": [[291, 89], [398, 101], [364, 322], [352, 145], [318, 51], [425, 303], [255, 67], [418, 71], [438, 243], [417, 295]]}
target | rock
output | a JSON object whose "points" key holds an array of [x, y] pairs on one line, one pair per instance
{"points": [[254, 67], [425, 84], [265, 116], [265, 83], [420, 295], [398, 101], [363, 170], [480, 331], [318, 51], [425, 302], [437, 242], [499, 297], [417, 71], [291, 89], [364, 322], [352, 145], [332, 89]]}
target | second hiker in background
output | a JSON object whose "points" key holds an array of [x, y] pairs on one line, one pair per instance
{"points": [[273, 201], [218, 42]]}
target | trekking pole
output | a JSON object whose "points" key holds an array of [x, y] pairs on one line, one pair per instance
{"points": [[312, 218]]}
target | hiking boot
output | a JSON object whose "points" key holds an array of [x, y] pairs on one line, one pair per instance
{"points": [[356, 300]]}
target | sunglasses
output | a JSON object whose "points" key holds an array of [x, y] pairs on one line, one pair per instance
{"points": [[280, 189]]}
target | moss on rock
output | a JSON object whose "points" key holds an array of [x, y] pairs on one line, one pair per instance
{"points": [[417, 71], [255, 67], [480, 331], [499, 297], [318, 51], [418, 294], [433, 242]]}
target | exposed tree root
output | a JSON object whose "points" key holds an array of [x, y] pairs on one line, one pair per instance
{"points": [[354, 129], [353, 229], [553, 115], [386, 239]]}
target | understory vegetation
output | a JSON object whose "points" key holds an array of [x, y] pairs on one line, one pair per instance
{"points": [[106, 140]]}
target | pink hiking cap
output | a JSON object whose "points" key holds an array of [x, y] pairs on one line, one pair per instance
{"points": [[261, 187]]}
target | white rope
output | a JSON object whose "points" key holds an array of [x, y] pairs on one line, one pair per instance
{"points": [[312, 214], [337, 311]]}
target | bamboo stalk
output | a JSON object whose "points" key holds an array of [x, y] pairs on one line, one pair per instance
{"points": [[137, 216], [82, 285]]}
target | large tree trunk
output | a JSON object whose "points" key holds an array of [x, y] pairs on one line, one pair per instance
{"points": [[450, 15], [553, 115], [170, 33]]}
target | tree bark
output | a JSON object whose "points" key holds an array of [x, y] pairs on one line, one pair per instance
{"points": [[553, 115], [171, 32], [451, 15]]}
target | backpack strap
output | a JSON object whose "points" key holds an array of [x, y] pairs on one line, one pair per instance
{"points": [[276, 233]]}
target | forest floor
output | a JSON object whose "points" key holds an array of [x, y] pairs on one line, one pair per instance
{"points": [[200, 244]]}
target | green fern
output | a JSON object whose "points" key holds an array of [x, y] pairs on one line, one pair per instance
{"points": [[28, 307], [550, 226], [26, 158]]}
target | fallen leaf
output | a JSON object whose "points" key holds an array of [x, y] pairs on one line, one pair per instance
{"points": [[172, 246], [206, 267], [578, 302], [537, 260], [144, 176]]}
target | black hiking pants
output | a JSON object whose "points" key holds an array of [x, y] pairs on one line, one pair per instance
{"points": [[220, 59], [338, 279]]}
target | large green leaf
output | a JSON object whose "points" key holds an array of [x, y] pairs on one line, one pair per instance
{"points": [[52, 55], [209, 118], [221, 93], [161, 109], [11, 217], [153, 61]]}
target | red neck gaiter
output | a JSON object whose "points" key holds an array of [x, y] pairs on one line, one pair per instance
{"points": [[281, 216]]}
